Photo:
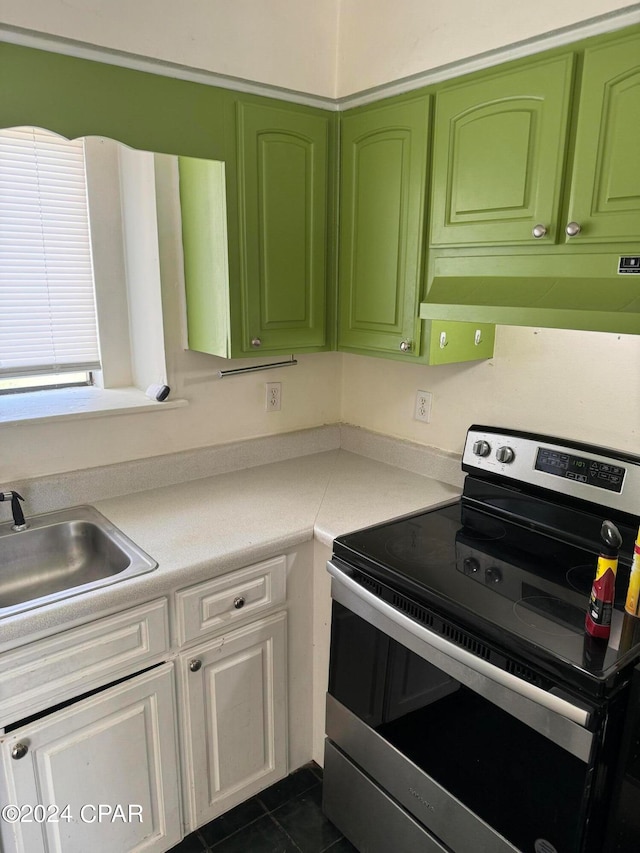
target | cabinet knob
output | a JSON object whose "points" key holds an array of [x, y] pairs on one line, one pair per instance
{"points": [[256, 342], [539, 231], [238, 602], [573, 229], [19, 750], [195, 665], [405, 346]]}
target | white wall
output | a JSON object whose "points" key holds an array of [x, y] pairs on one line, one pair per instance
{"points": [[581, 385], [219, 411], [329, 47], [284, 43], [380, 41]]}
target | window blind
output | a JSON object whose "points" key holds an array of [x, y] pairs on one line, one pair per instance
{"points": [[47, 301]]}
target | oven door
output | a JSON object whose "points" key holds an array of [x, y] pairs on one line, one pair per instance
{"points": [[475, 758]]}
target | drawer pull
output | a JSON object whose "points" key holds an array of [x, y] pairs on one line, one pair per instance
{"points": [[238, 602], [19, 751], [195, 665]]}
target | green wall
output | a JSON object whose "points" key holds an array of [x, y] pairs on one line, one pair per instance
{"points": [[80, 97]]}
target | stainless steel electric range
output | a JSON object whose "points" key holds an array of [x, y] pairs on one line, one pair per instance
{"points": [[468, 711]]}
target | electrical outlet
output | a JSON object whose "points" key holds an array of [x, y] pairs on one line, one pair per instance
{"points": [[274, 396], [423, 407]]}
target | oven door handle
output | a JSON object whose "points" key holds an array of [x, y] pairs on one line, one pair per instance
{"points": [[525, 701]]}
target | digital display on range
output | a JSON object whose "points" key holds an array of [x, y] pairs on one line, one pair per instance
{"points": [[604, 475]]}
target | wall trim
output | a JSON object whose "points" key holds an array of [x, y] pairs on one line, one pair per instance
{"points": [[599, 25], [123, 59], [608, 22]]}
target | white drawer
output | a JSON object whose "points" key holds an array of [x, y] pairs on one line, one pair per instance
{"points": [[215, 604], [49, 671]]}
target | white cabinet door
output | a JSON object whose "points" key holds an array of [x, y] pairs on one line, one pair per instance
{"points": [[98, 775], [235, 726]]}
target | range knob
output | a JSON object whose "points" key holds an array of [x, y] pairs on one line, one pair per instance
{"points": [[470, 566], [505, 454], [481, 448], [492, 575]]}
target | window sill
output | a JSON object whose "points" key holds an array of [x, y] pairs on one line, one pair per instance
{"points": [[71, 403]]}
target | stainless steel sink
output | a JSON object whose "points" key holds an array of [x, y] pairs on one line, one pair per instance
{"points": [[62, 554]]}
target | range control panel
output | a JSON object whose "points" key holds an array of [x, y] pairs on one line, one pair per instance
{"points": [[584, 471], [602, 475]]}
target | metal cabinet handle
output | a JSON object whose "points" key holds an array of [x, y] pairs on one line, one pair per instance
{"points": [[19, 750], [539, 231], [405, 346], [238, 602], [195, 665], [443, 340], [256, 342], [573, 229], [477, 338]]}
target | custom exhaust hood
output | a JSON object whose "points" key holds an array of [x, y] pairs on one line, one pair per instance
{"points": [[591, 292]]}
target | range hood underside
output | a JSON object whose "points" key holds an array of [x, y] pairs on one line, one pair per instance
{"points": [[575, 293]]}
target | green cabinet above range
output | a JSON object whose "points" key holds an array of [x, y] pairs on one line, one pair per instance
{"points": [[255, 235], [530, 231], [499, 146], [520, 160], [604, 195]]}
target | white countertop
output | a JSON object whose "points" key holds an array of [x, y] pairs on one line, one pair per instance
{"points": [[202, 528]]}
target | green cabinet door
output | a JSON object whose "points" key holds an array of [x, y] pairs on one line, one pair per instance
{"points": [[605, 188], [384, 153], [282, 214], [499, 149]]}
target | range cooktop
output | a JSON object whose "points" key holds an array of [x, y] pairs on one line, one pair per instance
{"points": [[513, 564]]}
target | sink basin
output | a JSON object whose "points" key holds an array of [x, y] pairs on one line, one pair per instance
{"points": [[62, 554]]}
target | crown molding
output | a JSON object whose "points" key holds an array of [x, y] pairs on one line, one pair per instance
{"points": [[555, 38], [528, 47], [136, 62]]}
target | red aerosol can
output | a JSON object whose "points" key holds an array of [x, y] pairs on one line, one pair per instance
{"points": [[598, 620]]}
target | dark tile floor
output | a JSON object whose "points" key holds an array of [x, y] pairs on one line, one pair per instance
{"points": [[285, 818]]}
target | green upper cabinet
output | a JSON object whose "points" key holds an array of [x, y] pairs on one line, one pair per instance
{"points": [[255, 235], [383, 193], [605, 188], [283, 162], [499, 150], [384, 152]]}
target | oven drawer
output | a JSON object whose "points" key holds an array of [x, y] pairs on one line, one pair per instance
{"points": [[414, 790], [349, 800]]}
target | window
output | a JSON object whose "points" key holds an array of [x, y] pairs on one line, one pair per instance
{"points": [[106, 295], [47, 302]]}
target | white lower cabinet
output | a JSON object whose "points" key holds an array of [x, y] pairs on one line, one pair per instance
{"points": [[98, 775], [234, 697], [86, 767]]}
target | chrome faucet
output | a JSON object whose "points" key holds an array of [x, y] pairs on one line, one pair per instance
{"points": [[19, 523]]}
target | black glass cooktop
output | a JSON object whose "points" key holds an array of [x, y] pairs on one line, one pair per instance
{"points": [[505, 579]]}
